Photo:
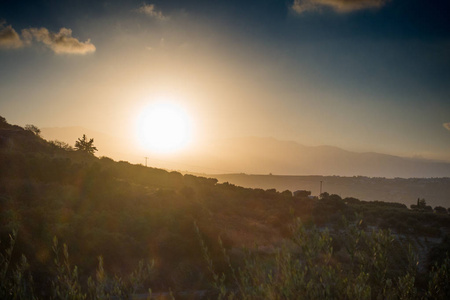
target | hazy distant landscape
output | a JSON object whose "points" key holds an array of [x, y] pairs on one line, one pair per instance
{"points": [[251, 149], [248, 162], [435, 190], [254, 155], [167, 230]]}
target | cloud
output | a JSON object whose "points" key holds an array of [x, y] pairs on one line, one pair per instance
{"points": [[446, 126], [341, 6], [9, 38], [61, 42], [150, 10]]}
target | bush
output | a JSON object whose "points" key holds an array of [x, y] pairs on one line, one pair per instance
{"points": [[376, 266], [33, 129], [16, 281]]}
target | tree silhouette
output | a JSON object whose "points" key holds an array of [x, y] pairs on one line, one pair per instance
{"points": [[84, 145], [421, 203], [33, 129]]}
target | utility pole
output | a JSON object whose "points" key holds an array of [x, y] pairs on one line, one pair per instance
{"points": [[320, 188], [146, 161]]}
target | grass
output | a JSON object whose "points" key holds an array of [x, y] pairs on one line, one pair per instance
{"points": [[371, 265]]}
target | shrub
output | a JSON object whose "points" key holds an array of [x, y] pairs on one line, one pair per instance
{"points": [[377, 266], [16, 281], [33, 129]]}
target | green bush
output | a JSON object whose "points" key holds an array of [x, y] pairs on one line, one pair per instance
{"points": [[16, 281], [371, 265]]}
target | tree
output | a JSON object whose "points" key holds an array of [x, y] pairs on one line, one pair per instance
{"points": [[85, 146], [287, 193], [324, 195], [3, 123], [440, 210], [61, 145], [33, 129], [421, 203], [302, 193]]}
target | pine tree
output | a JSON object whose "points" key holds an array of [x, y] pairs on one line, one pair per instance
{"points": [[86, 146]]}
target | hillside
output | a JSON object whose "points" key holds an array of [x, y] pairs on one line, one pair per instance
{"points": [[256, 155], [127, 213], [403, 190]]}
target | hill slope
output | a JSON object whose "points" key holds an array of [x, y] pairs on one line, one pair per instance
{"points": [[436, 191], [126, 213], [254, 155]]}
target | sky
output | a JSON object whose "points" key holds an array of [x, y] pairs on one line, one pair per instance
{"points": [[362, 75]]}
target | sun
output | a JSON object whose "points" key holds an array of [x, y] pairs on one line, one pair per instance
{"points": [[163, 128]]}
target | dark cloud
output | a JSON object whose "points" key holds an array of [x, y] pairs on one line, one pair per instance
{"points": [[9, 38], [341, 6], [61, 42], [150, 10]]}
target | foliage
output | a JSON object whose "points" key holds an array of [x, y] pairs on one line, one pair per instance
{"points": [[114, 214], [421, 206], [314, 271], [302, 193], [287, 193], [3, 122], [61, 145], [421, 203], [440, 210], [34, 129], [18, 283], [15, 281], [82, 144], [439, 282]]}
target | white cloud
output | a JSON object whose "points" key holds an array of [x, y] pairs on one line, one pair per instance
{"points": [[446, 126], [61, 42], [342, 6], [150, 10], [9, 38]]}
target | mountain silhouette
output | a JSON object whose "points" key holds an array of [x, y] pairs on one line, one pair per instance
{"points": [[264, 155], [268, 155]]}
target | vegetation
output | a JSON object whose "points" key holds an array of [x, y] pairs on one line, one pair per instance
{"points": [[371, 266], [115, 216], [436, 191], [17, 283], [82, 144], [61, 145], [34, 129]]}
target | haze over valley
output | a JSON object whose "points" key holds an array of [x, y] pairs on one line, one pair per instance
{"points": [[226, 149], [253, 155]]}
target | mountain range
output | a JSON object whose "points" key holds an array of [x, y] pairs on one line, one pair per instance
{"points": [[263, 155]]}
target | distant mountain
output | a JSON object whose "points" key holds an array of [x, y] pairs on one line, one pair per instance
{"points": [[128, 215], [268, 155], [256, 155]]}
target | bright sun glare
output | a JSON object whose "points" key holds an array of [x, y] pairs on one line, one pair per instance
{"points": [[163, 128]]}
